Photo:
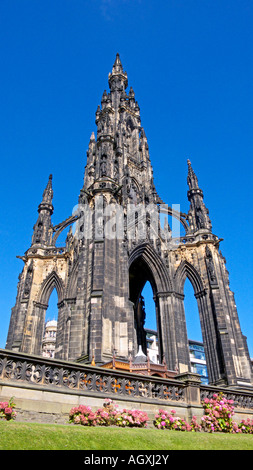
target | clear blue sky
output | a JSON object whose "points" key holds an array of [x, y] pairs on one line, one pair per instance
{"points": [[191, 66]]}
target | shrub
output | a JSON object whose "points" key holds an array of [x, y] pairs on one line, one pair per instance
{"points": [[82, 415], [246, 426], [218, 414], [166, 420], [107, 416], [131, 418], [195, 425], [7, 411]]}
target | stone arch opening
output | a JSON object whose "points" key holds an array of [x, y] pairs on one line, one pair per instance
{"points": [[194, 333], [208, 328], [150, 323], [187, 270], [50, 327], [139, 276], [49, 284], [52, 310], [52, 285], [191, 313], [145, 266]]}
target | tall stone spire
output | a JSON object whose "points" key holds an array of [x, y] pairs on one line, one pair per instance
{"points": [[198, 213], [42, 230], [118, 160], [118, 82]]}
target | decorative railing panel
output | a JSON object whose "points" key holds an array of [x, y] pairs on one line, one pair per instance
{"points": [[33, 370], [241, 399]]}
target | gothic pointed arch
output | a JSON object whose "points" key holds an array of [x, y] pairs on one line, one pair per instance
{"points": [[52, 281], [145, 253], [145, 264], [184, 270]]}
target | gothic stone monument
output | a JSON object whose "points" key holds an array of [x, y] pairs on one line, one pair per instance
{"points": [[100, 273]]}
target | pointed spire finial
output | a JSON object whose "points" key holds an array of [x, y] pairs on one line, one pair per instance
{"points": [[118, 72], [192, 179], [48, 191], [117, 62], [198, 213], [92, 137], [42, 230], [117, 66], [47, 196], [131, 93]]}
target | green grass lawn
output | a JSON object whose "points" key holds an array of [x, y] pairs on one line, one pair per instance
{"points": [[34, 436]]}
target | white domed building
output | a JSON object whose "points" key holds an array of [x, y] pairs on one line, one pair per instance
{"points": [[49, 338]]}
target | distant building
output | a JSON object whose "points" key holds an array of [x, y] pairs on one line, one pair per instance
{"points": [[49, 339], [197, 354], [152, 345], [198, 360]]}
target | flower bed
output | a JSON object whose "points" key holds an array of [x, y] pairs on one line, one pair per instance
{"points": [[217, 418], [109, 415]]}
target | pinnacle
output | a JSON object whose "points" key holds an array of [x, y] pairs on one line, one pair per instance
{"points": [[117, 64], [131, 93], [117, 71], [192, 178], [48, 191], [190, 169]]}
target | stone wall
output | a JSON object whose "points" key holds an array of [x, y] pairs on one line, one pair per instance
{"points": [[45, 390]]}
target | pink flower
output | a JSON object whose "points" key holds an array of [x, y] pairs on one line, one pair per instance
{"points": [[3, 405]]}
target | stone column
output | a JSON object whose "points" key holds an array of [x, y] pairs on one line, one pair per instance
{"points": [[192, 382]]}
